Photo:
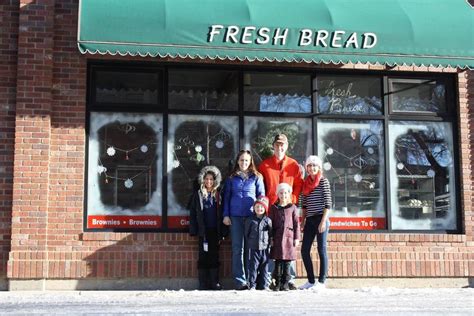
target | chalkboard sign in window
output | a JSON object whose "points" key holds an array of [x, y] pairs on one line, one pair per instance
{"points": [[349, 95], [414, 95]]}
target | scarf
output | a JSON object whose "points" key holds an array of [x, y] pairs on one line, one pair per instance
{"points": [[244, 175], [310, 183]]}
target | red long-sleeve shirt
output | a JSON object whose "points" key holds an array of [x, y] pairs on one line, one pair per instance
{"points": [[275, 172]]}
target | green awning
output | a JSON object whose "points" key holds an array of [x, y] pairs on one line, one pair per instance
{"points": [[389, 32]]}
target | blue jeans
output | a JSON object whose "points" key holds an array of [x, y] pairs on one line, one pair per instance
{"points": [[238, 246], [258, 268], [310, 232]]}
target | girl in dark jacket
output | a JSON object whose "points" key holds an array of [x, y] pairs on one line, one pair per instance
{"points": [[286, 236], [205, 222]]}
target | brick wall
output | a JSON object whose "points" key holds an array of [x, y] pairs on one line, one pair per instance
{"points": [[8, 62], [48, 194], [32, 139]]}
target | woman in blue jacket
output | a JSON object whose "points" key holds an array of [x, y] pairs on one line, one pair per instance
{"points": [[241, 189]]}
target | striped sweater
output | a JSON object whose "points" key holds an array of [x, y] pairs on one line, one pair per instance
{"points": [[318, 199]]}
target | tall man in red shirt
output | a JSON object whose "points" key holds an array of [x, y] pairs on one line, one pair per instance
{"points": [[277, 169], [281, 168]]}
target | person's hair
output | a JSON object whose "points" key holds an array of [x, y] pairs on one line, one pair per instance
{"points": [[252, 168]]}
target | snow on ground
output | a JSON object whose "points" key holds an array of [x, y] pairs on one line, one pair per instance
{"points": [[363, 301]]}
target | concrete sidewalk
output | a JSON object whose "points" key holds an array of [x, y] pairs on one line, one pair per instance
{"points": [[357, 301]]}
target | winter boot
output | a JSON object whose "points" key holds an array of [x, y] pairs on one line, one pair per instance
{"points": [[285, 276], [276, 277], [214, 278], [203, 275]]}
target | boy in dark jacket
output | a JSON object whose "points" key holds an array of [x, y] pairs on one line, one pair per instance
{"points": [[258, 233], [206, 222]]}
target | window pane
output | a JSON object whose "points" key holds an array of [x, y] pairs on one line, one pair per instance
{"points": [[260, 132], [194, 142], [422, 175], [353, 162], [349, 95], [124, 171], [275, 92], [417, 95], [203, 90], [126, 87]]}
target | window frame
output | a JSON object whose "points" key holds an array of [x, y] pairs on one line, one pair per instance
{"points": [[451, 115], [448, 113], [91, 92], [456, 173]]}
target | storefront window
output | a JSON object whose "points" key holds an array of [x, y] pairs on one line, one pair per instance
{"points": [[422, 175], [124, 183], [276, 92], [349, 95], [203, 90], [353, 162], [385, 174], [126, 87], [195, 141], [260, 133], [417, 95]]}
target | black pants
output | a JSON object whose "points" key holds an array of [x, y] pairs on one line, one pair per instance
{"points": [[282, 274], [209, 259], [258, 268], [310, 233]]}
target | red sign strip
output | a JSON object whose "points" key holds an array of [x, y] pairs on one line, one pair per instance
{"points": [[357, 223], [178, 221], [111, 221]]}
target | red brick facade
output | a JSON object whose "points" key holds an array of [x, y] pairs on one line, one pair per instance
{"points": [[8, 73], [42, 172]]}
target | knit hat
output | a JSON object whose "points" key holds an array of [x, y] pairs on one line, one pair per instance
{"points": [[284, 186], [263, 201], [313, 160]]}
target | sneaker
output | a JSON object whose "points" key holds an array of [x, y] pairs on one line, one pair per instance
{"points": [[306, 286], [292, 286], [319, 286]]}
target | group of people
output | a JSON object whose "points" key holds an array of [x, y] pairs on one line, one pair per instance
{"points": [[260, 208]]}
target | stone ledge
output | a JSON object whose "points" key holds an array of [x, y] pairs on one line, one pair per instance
{"points": [[191, 284]]}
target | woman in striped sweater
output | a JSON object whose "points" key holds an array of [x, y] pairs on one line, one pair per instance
{"points": [[316, 205]]}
